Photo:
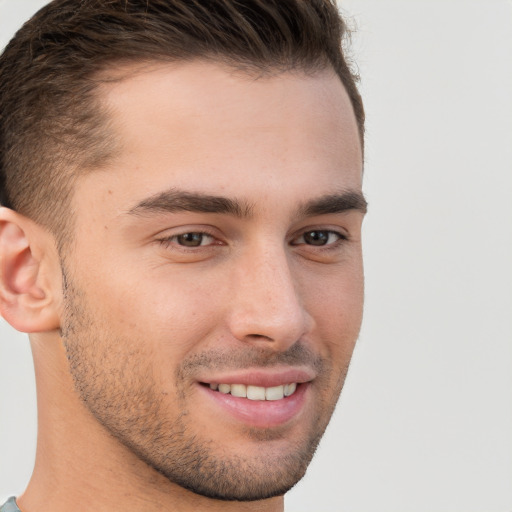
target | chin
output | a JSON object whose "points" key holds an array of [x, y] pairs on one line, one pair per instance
{"points": [[268, 469]]}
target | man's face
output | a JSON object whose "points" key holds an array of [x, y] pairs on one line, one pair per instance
{"points": [[216, 269]]}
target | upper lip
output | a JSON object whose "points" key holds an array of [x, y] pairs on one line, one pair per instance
{"points": [[262, 377]]}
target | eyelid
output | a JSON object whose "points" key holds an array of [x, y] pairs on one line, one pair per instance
{"points": [[203, 237], [168, 239], [342, 235]]}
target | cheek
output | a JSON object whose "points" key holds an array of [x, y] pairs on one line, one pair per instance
{"points": [[168, 316], [337, 307]]}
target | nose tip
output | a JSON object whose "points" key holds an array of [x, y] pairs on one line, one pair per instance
{"points": [[267, 306]]}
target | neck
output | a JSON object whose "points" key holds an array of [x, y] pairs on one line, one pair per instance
{"points": [[80, 466]]}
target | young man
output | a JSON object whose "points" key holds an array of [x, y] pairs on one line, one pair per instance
{"points": [[180, 235]]}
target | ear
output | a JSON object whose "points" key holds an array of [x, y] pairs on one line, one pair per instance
{"points": [[30, 276]]}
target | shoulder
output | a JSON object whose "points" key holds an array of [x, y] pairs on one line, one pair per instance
{"points": [[10, 506]]}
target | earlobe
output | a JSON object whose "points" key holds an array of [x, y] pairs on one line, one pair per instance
{"points": [[27, 293]]}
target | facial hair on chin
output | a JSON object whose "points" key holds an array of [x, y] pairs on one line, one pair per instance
{"points": [[115, 380]]}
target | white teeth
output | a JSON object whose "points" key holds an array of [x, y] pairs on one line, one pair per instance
{"points": [[275, 393], [289, 389], [256, 392], [239, 390], [225, 388]]}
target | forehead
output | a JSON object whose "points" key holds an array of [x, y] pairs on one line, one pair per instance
{"points": [[205, 127]]}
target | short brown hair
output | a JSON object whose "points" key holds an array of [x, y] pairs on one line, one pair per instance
{"points": [[51, 126]]}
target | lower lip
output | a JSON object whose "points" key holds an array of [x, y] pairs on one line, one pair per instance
{"points": [[261, 413]]}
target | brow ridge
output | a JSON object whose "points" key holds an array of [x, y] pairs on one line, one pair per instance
{"points": [[335, 203], [174, 200]]}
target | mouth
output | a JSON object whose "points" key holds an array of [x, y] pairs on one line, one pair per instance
{"points": [[260, 399], [257, 393]]}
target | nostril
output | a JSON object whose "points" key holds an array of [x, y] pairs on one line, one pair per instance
{"points": [[260, 337]]}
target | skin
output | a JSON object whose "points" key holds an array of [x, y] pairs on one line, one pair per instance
{"points": [[124, 343]]}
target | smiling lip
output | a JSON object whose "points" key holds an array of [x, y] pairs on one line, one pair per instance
{"points": [[260, 413], [262, 377]]}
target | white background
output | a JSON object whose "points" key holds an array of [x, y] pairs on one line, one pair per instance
{"points": [[425, 420]]}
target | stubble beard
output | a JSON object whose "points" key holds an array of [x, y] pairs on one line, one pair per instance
{"points": [[115, 380]]}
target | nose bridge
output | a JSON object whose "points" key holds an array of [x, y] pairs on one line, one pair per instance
{"points": [[266, 304]]}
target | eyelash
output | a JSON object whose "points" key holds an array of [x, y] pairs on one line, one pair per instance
{"points": [[329, 232], [168, 241]]}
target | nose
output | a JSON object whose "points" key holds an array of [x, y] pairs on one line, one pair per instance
{"points": [[266, 307]]}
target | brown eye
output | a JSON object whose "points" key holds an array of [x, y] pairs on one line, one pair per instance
{"points": [[316, 237], [191, 239]]}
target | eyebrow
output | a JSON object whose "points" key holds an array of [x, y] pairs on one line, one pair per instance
{"points": [[335, 203], [174, 200]]}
